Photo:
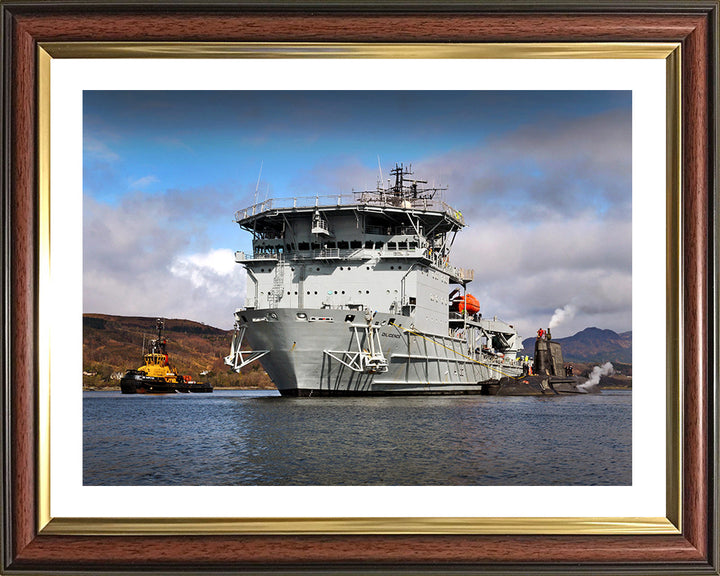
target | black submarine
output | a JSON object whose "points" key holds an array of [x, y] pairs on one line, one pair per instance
{"points": [[547, 376]]}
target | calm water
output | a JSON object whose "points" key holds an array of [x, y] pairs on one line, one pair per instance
{"points": [[253, 438]]}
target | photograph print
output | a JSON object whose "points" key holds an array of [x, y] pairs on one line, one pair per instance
{"points": [[357, 288]]}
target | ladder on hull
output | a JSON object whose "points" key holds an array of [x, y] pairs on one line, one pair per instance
{"points": [[276, 293]]}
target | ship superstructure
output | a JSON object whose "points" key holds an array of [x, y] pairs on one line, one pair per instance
{"points": [[356, 294]]}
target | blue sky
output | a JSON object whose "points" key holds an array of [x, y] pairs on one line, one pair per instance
{"points": [[543, 179]]}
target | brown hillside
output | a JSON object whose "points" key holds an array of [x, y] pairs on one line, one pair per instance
{"points": [[114, 344]]}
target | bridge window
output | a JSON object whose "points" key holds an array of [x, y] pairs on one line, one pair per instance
{"points": [[369, 244], [355, 244], [303, 246], [342, 245]]}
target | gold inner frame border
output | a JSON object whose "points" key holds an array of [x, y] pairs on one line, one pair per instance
{"points": [[671, 524]]}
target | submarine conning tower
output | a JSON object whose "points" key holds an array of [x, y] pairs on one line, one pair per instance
{"points": [[548, 359]]}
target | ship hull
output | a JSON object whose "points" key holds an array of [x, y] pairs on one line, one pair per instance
{"points": [[319, 353]]}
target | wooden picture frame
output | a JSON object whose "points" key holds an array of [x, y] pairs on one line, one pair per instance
{"points": [[30, 547]]}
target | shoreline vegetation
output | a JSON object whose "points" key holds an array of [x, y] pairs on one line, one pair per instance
{"points": [[114, 344]]}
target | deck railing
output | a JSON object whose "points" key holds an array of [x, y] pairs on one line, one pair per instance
{"points": [[466, 274], [356, 199]]}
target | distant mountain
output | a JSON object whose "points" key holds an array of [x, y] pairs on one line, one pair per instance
{"points": [[592, 345], [114, 344]]}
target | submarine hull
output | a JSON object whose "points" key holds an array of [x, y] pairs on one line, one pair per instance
{"points": [[541, 385]]}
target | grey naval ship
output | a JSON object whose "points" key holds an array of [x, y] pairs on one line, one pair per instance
{"points": [[356, 295]]}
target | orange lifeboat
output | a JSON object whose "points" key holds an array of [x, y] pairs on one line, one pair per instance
{"points": [[470, 302]]}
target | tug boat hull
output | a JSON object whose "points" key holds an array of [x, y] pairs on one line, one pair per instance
{"points": [[135, 382]]}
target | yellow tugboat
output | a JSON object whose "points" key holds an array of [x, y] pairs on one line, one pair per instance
{"points": [[156, 376]]}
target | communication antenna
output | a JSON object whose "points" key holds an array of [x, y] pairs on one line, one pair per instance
{"points": [[380, 169], [258, 181]]}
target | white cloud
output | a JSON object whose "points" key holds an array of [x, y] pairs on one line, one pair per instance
{"points": [[99, 150], [136, 262], [214, 272], [144, 181]]}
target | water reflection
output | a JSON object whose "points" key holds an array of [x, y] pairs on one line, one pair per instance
{"points": [[259, 438]]}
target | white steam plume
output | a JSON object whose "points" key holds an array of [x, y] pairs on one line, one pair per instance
{"points": [[597, 372], [561, 315]]}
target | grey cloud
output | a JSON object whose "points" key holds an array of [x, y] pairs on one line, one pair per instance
{"points": [[335, 175], [130, 249], [551, 168], [523, 272]]}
